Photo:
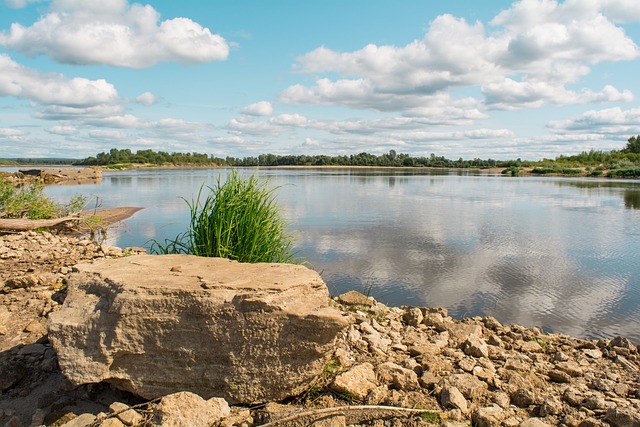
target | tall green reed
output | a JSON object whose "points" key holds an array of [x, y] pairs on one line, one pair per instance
{"points": [[237, 219]]}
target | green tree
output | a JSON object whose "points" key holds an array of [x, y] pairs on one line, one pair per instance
{"points": [[633, 145]]}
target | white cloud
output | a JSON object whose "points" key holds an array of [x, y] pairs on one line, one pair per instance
{"points": [[23, 82], [114, 33], [11, 133], [289, 120], [146, 98], [513, 95], [61, 112], [262, 108], [63, 130], [19, 4], [533, 51], [621, 10], [107, 134], [611, 121]]}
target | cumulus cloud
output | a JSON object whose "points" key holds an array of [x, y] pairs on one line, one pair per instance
{"points": [[63, 130], [112, 32], [23, 82], [146, 98], [262, 108], [613, 121], [106, 134], [19, 4], [527, 57], [11, 133]]}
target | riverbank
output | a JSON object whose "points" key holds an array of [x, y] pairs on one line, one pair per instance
{"points": [[472, 370]]}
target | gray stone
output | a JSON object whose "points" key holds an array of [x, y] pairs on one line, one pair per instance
{"points": [[247, 332]]}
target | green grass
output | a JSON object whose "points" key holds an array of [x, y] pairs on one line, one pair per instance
{"points": [[28, 201], [239, 220]]}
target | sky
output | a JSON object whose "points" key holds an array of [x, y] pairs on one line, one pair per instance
{"points": [[529, 79]]}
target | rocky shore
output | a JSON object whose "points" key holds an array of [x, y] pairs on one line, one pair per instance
{"points": [[404, 366]]}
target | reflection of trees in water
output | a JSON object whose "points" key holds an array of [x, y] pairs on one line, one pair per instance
{"points": [[632, 199]]}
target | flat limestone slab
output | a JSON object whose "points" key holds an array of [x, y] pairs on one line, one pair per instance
{"points": [[156, 325]]}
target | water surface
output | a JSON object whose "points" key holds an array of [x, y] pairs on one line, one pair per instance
{"points": [[558, 253]]}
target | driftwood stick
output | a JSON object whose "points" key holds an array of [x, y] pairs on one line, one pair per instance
{"points": [[24, 224], [353, 414]]}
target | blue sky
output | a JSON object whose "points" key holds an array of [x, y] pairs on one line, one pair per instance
{"points": [[498, 79]]}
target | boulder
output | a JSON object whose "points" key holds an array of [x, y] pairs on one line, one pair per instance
{"points": [[188, 409], [156, 325]]}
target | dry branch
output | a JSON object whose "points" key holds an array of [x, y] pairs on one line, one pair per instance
{"points": [[353, 414]]}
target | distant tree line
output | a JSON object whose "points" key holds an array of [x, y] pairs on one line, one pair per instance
{"points": [[392, 159], [37, 161], [624, 162], [126, 156]]}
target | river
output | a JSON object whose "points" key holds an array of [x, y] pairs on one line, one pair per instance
{"points": [[558, 253]]}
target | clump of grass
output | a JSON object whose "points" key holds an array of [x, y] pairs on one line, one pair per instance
{"points": [[238, 219], [28, 201]]}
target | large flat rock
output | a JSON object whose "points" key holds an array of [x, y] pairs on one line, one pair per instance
{"points": [[156, 325]]}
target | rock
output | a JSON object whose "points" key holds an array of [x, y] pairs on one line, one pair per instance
{"points": [[523, 398], [534, 422], [188, 409], [377, 395], [471, 387], [452, 398], [593, 353], [531, 347], [622, 342], [559, 376], [355, 298], [622, 417], [570, 367], [126, 415], [112, 422], [247, 332], [550, 406], [462, 331], [595, 402], [398, 377], [491, 416], [572, 397], [357, 381], [475, 347], [14, 421], [82, 420], [413, 316]]}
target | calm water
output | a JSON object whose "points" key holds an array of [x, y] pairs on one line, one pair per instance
{"points": [[557, 253]]}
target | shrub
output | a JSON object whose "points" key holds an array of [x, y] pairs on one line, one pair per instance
{"points": [[239, 220], [27, 202]]}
